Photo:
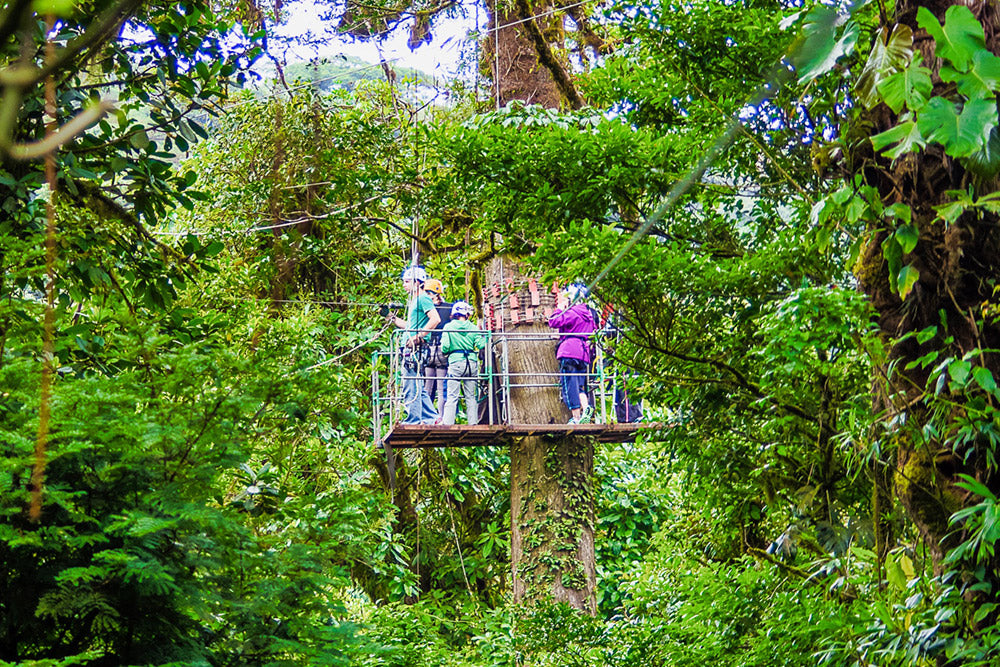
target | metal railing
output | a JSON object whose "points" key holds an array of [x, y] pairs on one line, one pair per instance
{"points": [[393, 367]]}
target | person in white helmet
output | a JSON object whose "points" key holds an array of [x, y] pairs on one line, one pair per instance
{"points": [[461, 341], [421, 319]]}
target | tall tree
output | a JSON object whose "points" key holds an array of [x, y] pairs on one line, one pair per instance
{"points": [[135, 555], [931, 258], [551, 480]]}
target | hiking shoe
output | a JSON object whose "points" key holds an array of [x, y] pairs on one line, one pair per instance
{"points": [[586, 415], [573, 420]]}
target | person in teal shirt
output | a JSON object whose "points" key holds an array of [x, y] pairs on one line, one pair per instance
{"points": [[421, 319], [461, 341]]}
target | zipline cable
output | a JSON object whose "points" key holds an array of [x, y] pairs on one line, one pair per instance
{"points": [[458, 545], [327, 362], [764, 91], [285, 223]]}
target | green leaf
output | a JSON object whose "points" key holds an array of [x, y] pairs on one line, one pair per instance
{"points": [[187, 132], [950, 212], [981, 81], [961, 134], [54, 7], [959, 370], [820, 50], [906, 136], [894, 574], [910, 87], [198, 129], [990, 202], [899, 211], [906, 279], [985, 162], [893, 253], [890, 54], [984, 611], [906, 565], [139, 140], [960, 37], [984, 378], [907, 235], [975, 486], [926, 334], [856, 208]]}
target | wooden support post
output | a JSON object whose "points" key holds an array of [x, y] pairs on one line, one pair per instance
{"points": [[390, 464]]}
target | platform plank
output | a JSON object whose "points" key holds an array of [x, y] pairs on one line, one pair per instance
{"points": [[463, 435]]}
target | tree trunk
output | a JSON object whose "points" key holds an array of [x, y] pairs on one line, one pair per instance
{"points": [[520, 55], [552, 498], [958, 265], [551, 488], [552, 517]]}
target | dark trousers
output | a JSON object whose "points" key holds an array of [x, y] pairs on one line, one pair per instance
{"points": [[572, 381]]}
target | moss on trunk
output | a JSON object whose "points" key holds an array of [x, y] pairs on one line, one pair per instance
{"points": [[552, 517]]}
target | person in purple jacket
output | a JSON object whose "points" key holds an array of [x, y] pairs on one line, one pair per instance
{"points": [[574, 319]]}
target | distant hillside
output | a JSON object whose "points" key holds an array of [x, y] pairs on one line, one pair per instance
{"points": [[344, 71]]}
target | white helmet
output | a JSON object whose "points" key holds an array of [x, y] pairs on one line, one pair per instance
{"points": [[461, 309], [576, 292], [415, 273]]}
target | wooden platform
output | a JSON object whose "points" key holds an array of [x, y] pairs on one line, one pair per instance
{"points": [[463, 435]]}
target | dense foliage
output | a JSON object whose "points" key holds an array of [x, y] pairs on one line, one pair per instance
{"points": [[210, 493]]}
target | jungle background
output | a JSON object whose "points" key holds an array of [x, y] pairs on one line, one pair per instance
{"points": [[192, 268]]}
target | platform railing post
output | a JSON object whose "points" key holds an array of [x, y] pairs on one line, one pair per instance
{"points": [[602, 384], [505, 379], [491, 386], [376, 407], [391, 392]]}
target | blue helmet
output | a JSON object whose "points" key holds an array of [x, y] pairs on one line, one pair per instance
{"points": [[576, 292]]}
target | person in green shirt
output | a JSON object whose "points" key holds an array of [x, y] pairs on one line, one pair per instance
{"points": [[421, 319], [461, 341]]}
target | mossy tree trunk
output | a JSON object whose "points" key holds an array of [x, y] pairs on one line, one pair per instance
{"points": [[552, 496], [958, 264], [552, 502], [522, 55]]}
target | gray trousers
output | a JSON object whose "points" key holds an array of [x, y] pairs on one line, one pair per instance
{"points": [[462, 375]]}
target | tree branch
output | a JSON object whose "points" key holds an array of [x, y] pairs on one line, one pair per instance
{"points": [[110, 207], [65, 133], [11, 18]]}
